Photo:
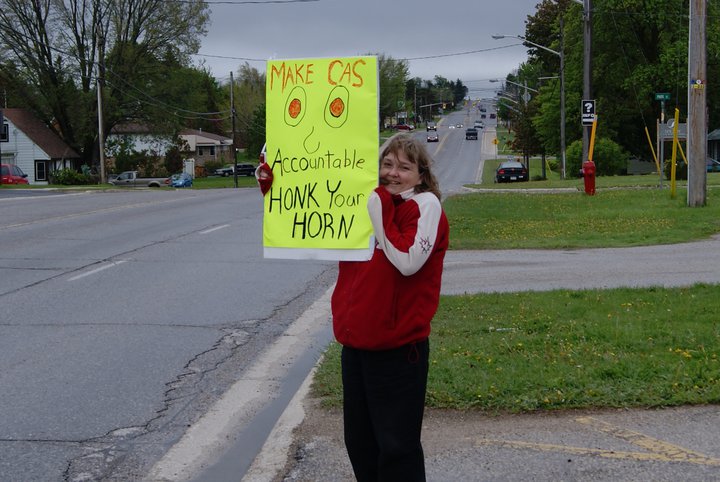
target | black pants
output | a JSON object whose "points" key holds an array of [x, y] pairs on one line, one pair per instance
{"points": [[384, 400]]}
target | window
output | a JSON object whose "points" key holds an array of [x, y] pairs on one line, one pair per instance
{"points": [[41, 171], [4, 133]]}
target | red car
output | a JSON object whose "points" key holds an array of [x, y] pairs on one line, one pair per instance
{"points": [[404, 127], [11, 174]]}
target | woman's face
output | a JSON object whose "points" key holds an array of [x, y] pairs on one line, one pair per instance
{"points": [[398, 173]]}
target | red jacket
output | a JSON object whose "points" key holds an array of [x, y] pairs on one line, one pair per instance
{"points": [[389, 301]]}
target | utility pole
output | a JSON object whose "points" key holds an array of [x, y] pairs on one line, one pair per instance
{"points": [[2, 134], [232, 111], [563, 161], [587, 68], [101, 130], [697, 105]]}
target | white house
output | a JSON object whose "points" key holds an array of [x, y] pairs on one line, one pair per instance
{"points": [[203, 146], [31, 145]]}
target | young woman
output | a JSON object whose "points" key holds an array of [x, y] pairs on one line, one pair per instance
{"points": [[382, 309]]}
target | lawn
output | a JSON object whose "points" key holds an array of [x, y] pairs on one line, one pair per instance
{"points": [[526, 351]]}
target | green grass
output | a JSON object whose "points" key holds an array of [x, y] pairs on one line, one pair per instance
{"points": [[526, 351], [216, 182], [568, 349], [618, 217]]}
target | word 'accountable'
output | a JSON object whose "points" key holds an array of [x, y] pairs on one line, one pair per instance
{"points": [[327, 161]]}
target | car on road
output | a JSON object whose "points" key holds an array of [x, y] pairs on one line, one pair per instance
{"points": [[432, 136], [511, 171], [471, 134], [458, 126], [492, 116], [479, 125], [181, 180], [12, 174], [712, 165], [431, 126]]}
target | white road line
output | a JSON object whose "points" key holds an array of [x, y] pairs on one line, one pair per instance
{"points": [[214, 229], [97, 270]]}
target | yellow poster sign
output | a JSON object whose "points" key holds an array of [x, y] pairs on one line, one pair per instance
{"points": [[322, 146]]}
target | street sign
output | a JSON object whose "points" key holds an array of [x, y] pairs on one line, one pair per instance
{"points": [[662, 96], [588, 112]]}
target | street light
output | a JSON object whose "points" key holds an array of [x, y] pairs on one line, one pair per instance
{"points": [[526, 97], [562, 91]]}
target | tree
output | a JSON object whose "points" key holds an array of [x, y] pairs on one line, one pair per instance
{"points": [[639, 48], [392, 77], [256, 131], [249, 95], [54, 48]]}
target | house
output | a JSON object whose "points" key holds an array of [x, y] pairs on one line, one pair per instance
{"points": [[31, 145], [208, 147], [202, 146], [713, 144]]}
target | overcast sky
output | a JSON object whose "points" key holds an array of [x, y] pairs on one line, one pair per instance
{"points": [[450, 38]]}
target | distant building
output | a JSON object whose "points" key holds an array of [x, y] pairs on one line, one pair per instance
{"points": [[202, 146], [31, 145]]}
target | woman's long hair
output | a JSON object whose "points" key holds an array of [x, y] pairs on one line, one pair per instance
{"points": [[416, 152]]}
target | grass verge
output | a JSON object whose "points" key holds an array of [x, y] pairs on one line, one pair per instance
{"points": [[526, 351], [562, 349]]}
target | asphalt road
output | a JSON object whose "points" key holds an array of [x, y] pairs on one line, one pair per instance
{"points": [[125, 315]]}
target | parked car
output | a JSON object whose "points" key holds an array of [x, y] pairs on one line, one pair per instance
{"points": [[432, 136], [181, 180], [243, 169], [511, 171], [131, 178], [224, 171], [431, 126], [11, 174], [471, 133], [404, 127], [712, 165]]}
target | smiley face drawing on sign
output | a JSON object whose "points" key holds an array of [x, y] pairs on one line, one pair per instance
{"points": [[335, 112]]}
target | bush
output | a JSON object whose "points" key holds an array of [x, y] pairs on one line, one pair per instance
{"points": [[610, 159], [681, 169], [70, 177]]}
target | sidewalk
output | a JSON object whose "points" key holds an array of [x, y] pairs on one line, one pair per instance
{"points": [[606, 445]]}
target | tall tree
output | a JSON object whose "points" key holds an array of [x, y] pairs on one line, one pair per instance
{"points": [[249, 95], [56, 46], [639, 48], [393, 75]]}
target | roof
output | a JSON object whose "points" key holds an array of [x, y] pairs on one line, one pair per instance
{"points": [[40, 134], [714, 135], [206, 137]]}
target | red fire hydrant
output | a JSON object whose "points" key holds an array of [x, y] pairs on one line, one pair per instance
{"points": [[588, 171]]}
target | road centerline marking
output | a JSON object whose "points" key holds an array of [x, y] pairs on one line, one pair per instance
{"points": [[222, 226], [97, 270]]}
